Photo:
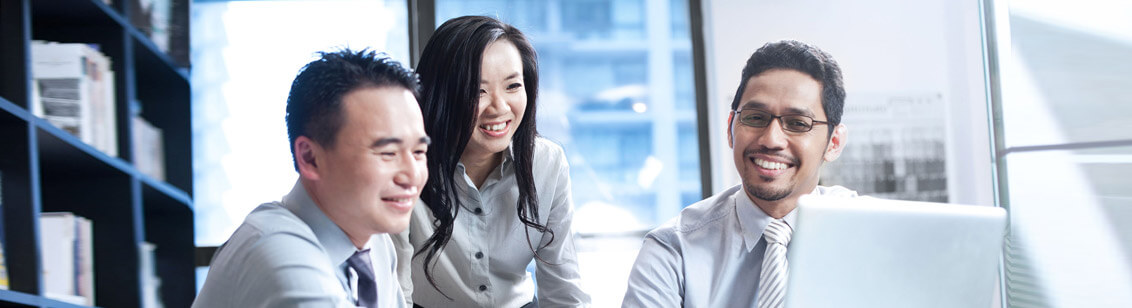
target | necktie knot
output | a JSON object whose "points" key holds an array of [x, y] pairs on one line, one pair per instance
{"points": [[778, 232]]}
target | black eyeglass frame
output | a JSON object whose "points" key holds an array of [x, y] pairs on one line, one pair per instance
{"points": [[782, 120]]}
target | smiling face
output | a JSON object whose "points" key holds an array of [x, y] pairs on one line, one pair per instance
{"points": [[502, 101], [778, 166], [368, 181]]}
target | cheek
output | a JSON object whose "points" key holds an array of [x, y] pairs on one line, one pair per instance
{"points": [[481, 105], [518, 104], [422, 173]]}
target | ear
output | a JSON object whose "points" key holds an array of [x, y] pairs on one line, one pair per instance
{"points": [[307, 153], [730, 117], [836, 143]]}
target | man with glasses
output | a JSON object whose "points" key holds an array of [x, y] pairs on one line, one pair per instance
{"points": [[729, 250]]}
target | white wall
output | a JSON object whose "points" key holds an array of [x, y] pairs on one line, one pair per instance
{"points": [[883, 46]]}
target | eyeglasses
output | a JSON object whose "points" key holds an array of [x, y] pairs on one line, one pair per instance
{"points": [[795, 123]]}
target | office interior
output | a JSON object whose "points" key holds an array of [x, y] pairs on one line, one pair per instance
{"points": [[1020, 104]]}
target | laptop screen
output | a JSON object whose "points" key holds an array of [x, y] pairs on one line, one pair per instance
{"points": [[868, 252]]}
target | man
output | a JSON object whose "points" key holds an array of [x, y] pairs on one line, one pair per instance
{"points": [[784, 124], [358, 142]]}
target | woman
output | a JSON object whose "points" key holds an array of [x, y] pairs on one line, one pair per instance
{"points": [[499, 195]]}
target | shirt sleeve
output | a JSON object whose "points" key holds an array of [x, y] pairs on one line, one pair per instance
{"points": [[559, 283], [657, 275]]}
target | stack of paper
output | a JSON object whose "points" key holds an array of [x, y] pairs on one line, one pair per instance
{"points": [[74, 90]]}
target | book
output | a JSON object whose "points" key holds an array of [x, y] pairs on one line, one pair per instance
{"points": [[149, 149], [73, 89], [151, 284], [67, 257], [4, 284], [3, 269]]}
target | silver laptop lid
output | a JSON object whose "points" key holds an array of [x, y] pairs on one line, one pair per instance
{"points": [[868, 252]]}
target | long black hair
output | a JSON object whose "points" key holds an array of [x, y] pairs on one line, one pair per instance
{"points": [[450, 83]]}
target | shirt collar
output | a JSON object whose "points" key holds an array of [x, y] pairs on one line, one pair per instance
{"points": [[496, 175], [753, 221], [337, 245]]}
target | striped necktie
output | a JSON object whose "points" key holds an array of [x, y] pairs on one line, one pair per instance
{"points": [[772, 279], [367, 286]]}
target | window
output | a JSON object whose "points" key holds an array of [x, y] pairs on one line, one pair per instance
{"points": [[1064, 150]]}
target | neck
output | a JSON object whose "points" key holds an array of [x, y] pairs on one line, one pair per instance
{"points": [[775, 209], [359, 239], [478, 167]]}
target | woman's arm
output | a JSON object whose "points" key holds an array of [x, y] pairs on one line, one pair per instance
{"points": [[559, 283]]}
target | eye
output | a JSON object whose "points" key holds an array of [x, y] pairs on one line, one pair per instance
{"points": [[420, 154], [755, 117], [514, 86], [797, 123], [482, 92]]}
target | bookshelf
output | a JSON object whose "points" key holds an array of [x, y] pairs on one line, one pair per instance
{"points": [[45, 169]]}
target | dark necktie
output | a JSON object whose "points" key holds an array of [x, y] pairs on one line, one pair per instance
{"points": [[367, 287]]}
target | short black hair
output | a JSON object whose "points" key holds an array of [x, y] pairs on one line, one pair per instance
{"points": [[805, 58], [314, 105]]}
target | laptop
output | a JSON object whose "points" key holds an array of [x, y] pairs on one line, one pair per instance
{"points": [[868, 252]]}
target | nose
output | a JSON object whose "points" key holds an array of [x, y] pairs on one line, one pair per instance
{"points": [[409, 171], [497, 103], [773, 136]]}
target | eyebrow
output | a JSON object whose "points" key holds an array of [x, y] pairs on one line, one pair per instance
{"points": [[391, 140], [509, 77], [790, 110], [386, 141]]}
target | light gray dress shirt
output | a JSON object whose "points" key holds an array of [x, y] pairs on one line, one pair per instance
{"points": [[708, 256], [289, 254], [484, 264]]}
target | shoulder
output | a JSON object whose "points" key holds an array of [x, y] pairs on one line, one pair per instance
{"points": [[268, 235], [697, 217], [273, 254], [836, 191], [546, 150], [549, 161]]}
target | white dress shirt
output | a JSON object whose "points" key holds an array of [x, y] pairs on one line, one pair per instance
{"points": [[484, 264], [289, 254], [708, 256]]}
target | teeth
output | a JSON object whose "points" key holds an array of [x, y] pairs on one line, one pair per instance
{"points": [[770, 165], [494, 127]]}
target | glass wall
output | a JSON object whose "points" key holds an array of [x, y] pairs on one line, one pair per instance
{"points": [[617, 93], [1065, 150]]}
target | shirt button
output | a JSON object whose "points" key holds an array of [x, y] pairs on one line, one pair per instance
{"points": [[478, 211], [479, 255], [483, 288]]}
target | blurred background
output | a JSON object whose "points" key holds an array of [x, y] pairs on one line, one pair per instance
{"points": [[1021, 104]]}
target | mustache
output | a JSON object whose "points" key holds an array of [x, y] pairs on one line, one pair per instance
{"points": [[768, 152]]}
